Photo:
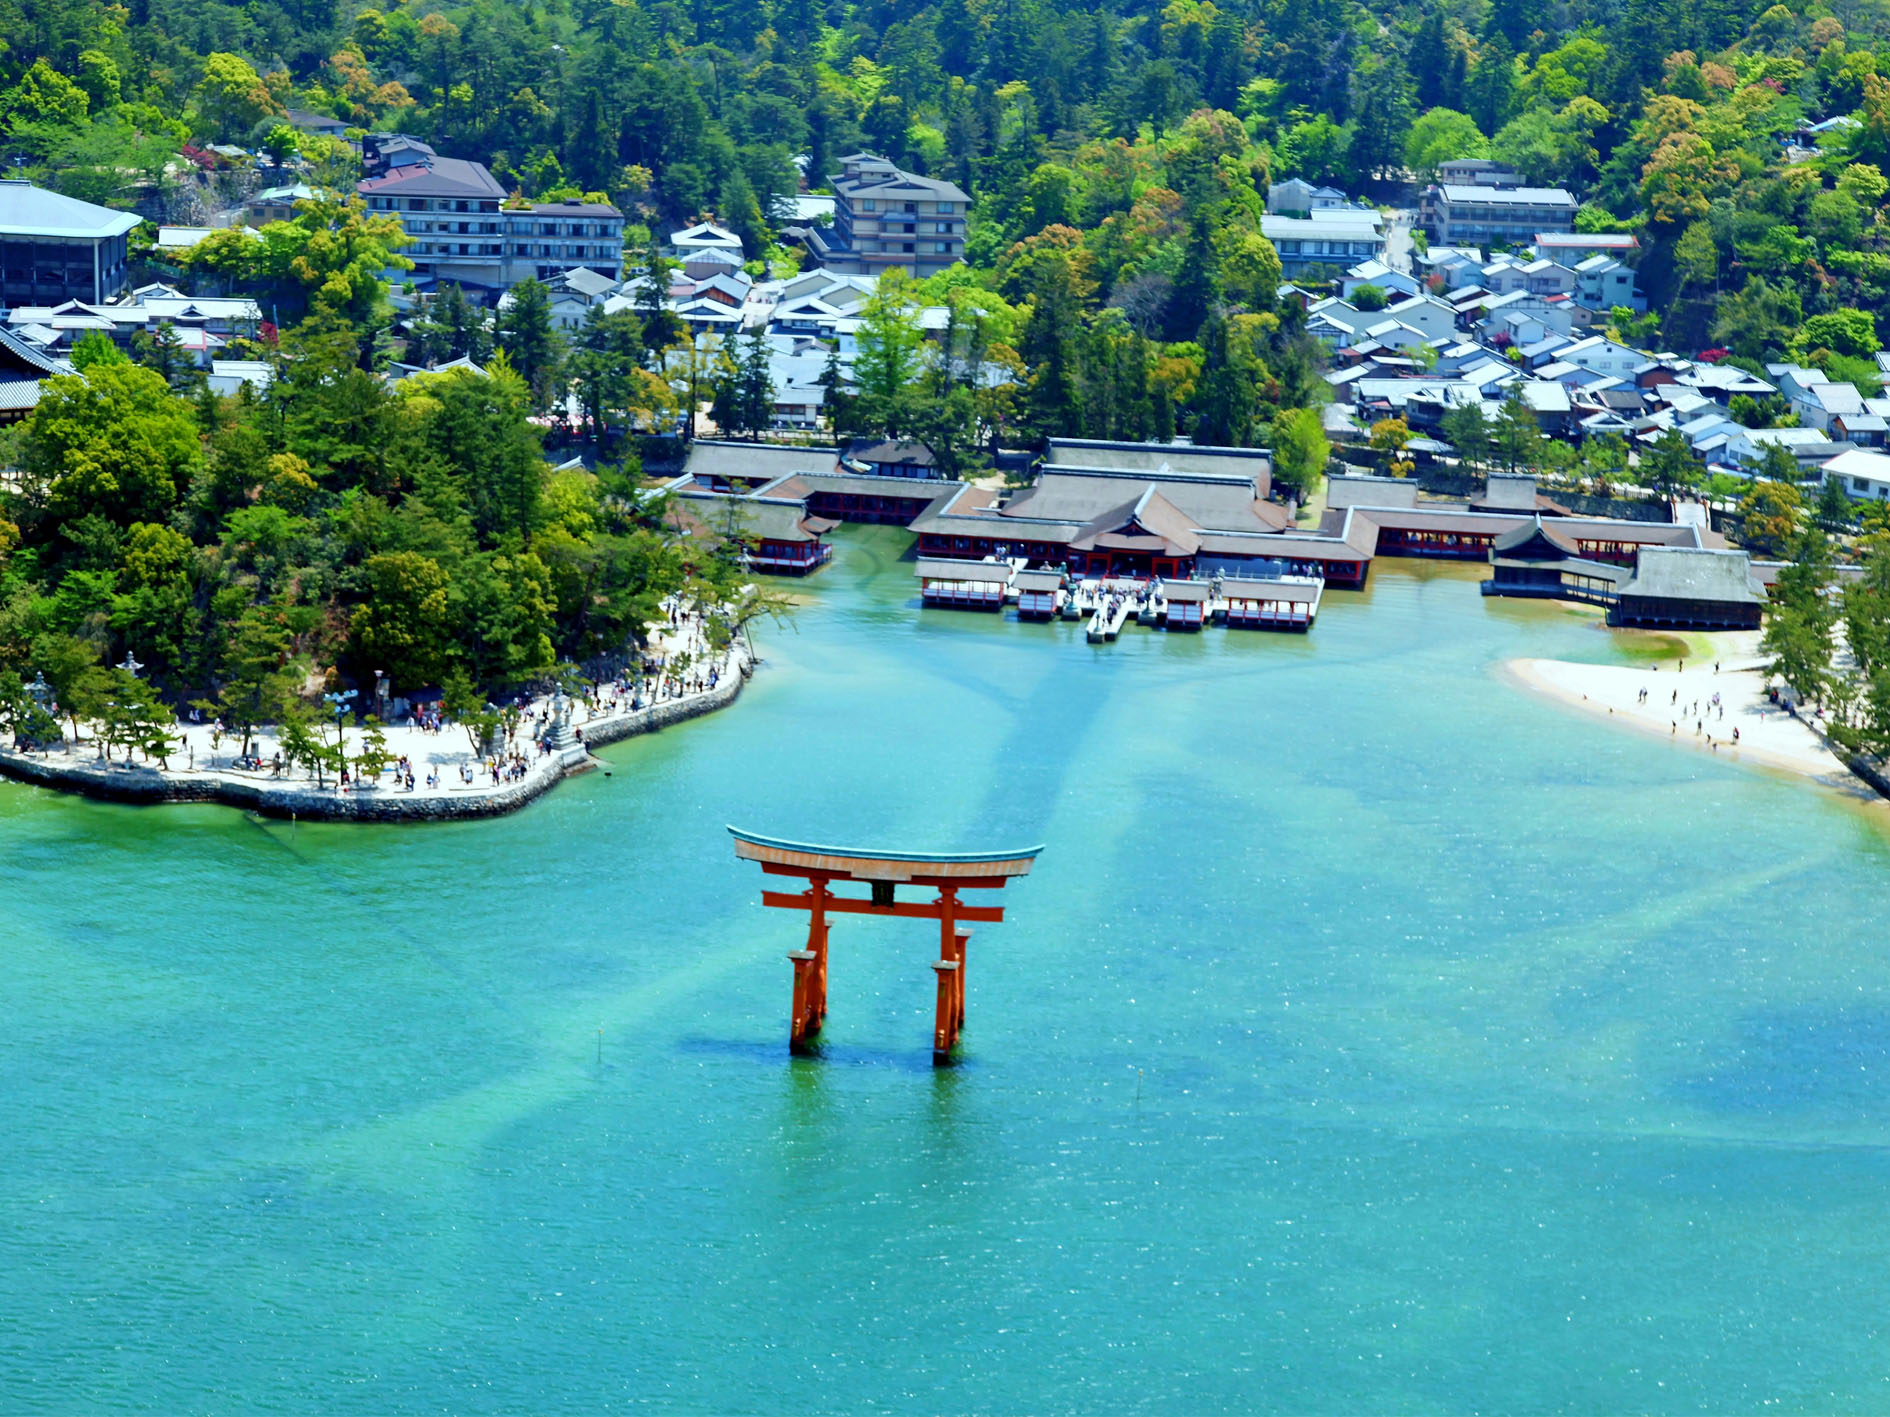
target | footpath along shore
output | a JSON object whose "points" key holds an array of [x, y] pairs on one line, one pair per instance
{"points": [[202, 767], [1673, 699]]}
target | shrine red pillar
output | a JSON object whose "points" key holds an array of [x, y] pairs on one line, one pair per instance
{"points": [[950, 1000], [817, 942], [801, 1016], [963, 939]]}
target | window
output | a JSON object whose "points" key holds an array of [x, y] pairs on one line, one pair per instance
{"points": [[941, 246], [943, 228], [867, 205]]}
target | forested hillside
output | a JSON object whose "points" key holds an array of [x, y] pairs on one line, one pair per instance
{"points": [[1118, 160], [1132, 142]]}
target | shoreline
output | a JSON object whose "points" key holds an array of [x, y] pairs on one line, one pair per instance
{"points": [[1769, 737], [145, 784]]}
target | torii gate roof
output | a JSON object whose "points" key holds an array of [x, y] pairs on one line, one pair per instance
{"points": [[866, 864]]}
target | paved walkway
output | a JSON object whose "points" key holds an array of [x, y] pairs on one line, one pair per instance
{"points": [[441, 761]]}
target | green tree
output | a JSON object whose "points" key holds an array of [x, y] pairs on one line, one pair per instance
{"points": [[530, 341], [1515, 436], [371, 760], [1772, 511], [114, 442], [1300, 451], [1439, 136], [1669, 465], [1388, 438], [1381, 121], [231, 97], [1224, 401], [1835, 512], [404, 627], [70, 666], [887, 367], [1468, 431], [282, 143], [96, 347], [254, 673], [462, 702], [1849, 332], [1798, 631], [299, 734]]}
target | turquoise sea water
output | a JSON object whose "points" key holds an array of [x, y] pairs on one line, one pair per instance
{"points": [[1371, 1037]]}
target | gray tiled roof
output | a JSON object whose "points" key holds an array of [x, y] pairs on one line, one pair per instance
{"points": [[16, 355], [880, 182], [439, 177], [1686, 573], [1081, 495], [713, 458]]}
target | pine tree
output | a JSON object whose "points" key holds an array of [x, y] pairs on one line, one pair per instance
{"points": [[530, 341], [1492, 85], [1430, 61], [1197, 288], [1224, 404], [661, 325], [1384, 118], [754, 381]]}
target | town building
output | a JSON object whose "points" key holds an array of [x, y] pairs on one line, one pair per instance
{"points": [[461, 232], [1453, 213], [449, 209], [1566, 246], [1477, 172], [1338, 237], [1602, 283], [201, 324], [324, 125], [55, 248], [22, 370], [1378, 275], [543, 240], [1862, 474], [1811, 448], [1298, 197], [705, 236], [886, 218], [277, 203]]}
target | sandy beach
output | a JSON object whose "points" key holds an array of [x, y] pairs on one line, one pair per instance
{"points": [[1679, 707]]}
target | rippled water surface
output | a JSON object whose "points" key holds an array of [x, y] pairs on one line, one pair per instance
{"points": [[1370, 1038]]}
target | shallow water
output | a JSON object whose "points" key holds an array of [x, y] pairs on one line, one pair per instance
{"points": [[1370, 1037]]}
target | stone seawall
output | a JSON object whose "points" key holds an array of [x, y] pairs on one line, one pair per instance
{"points": [[120, 782], [1861, 766]]}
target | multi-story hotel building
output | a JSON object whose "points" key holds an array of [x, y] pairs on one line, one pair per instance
{"points": [[884, 217]]}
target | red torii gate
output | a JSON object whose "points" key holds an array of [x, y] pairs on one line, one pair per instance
{"points": [[884, 872]]}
